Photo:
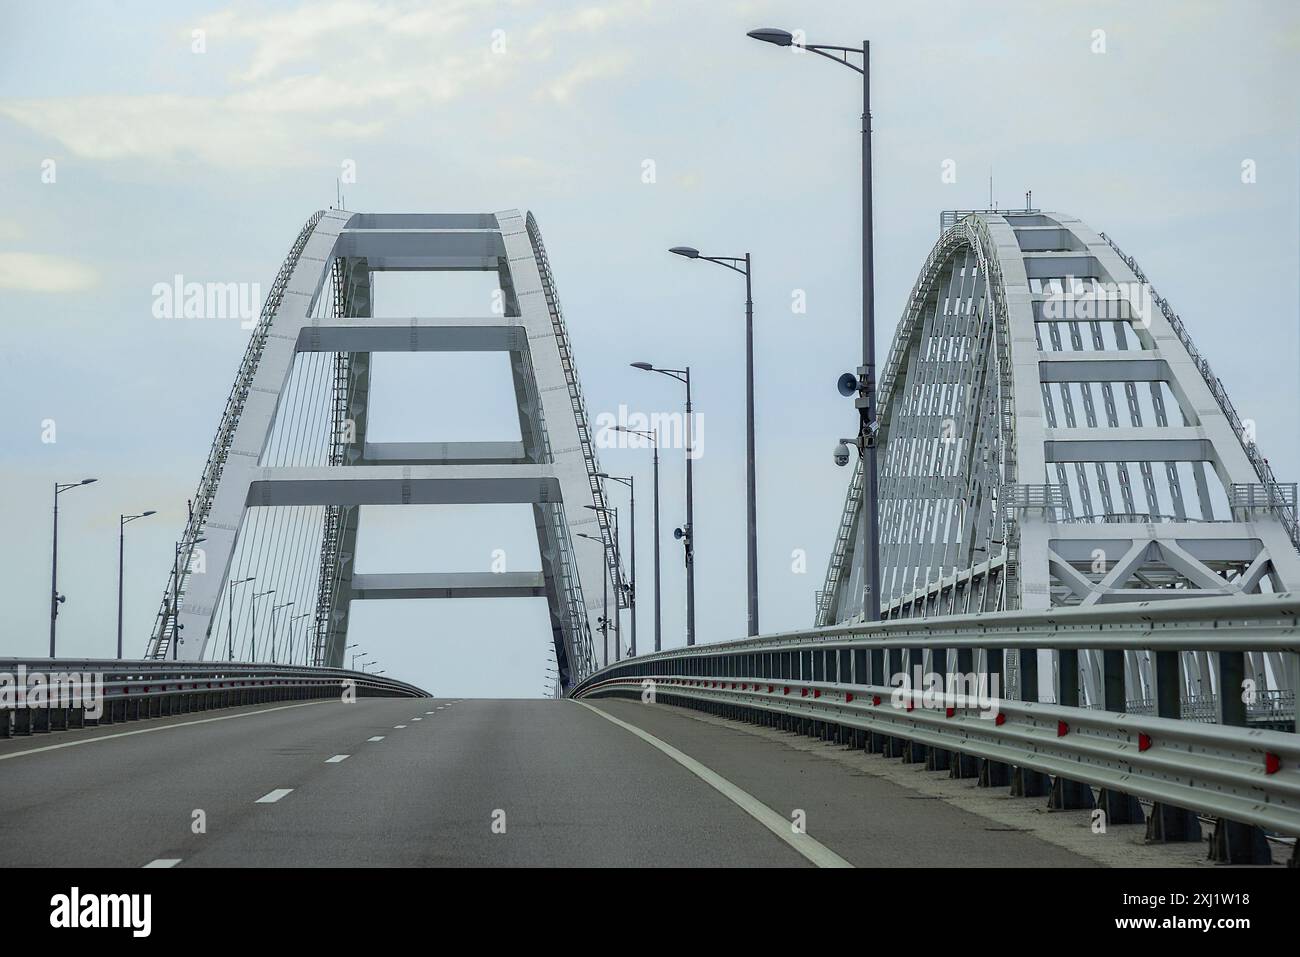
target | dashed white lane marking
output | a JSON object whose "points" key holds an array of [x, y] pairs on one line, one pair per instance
{"points": [[812, 849], [396, 726], [337, 758], [165, 727], [428, 712], [378, 737], [164, 862], [273, 796]]}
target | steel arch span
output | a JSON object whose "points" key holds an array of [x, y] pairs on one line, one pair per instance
{"points": [[279, 503], [1051, 436]]}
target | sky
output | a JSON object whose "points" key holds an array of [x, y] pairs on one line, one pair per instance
{"points": [[134, 149]]}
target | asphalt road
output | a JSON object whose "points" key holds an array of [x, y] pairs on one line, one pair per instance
{"points": [[471, 782]]}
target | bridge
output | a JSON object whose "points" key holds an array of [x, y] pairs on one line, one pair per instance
{"points": [[1088, 580]]}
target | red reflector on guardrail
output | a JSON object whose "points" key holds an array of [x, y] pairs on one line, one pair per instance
{"points": [[817, 692], [1144, 741], [786, 690], [1272, 763], [769, 689], [848, 697], [875, 699], [949, 712], [803, 692], [1062, 729], [1000, 720]]}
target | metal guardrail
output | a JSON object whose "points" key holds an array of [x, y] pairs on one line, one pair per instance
{"points": [[840, 677], [132, 690]]}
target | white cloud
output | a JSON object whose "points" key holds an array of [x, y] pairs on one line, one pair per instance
{"points": [[36, 272]]}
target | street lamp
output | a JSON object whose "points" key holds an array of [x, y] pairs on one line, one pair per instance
{"points": [[866, 384], [176, 595], [305, 614], [686, 534], [631, 591], [122, 522], [653, 435], [603, 624], [611, 517], [256, 596], [751, 494], [274, 609], [230, 614], [355, 656], [55, 598]]}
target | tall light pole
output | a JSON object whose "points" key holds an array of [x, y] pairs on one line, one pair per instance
{"points": [[611, 515], [295, 618], [55, 598], [274, 609], [176, 596], [653, 435], [686, 534], [122, 522], [604, 589], [751, 493], [869, 523], [230, 614], [253, 641], [630, 482]]}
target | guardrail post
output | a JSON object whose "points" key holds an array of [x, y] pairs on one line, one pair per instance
{"points": [[939, 759], [1026, 782], [993, 774], [1069, 795], [1168, 823], [1118, 807], [913, 752], [895, 658], [964, 765], [1234, 842], [877, 743]]}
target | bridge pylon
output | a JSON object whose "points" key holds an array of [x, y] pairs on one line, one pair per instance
{"points": [[308, 368]]}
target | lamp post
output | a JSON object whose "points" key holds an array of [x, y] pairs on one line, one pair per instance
{"points": [[604, 589], [686, 534], [612, 517], [630, 482], [122, 522], [305, 614], [176, 595], [751, 493], [230, 614], [256, 596], [55, 598], [866, 400], [274, 609], [654, 436]]}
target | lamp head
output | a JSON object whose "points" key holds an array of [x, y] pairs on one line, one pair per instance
{"points": [[643, 365], [689, 252], [781, 38]]}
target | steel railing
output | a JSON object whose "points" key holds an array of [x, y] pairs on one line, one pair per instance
{"points": [[847, 677], [131, 690]]}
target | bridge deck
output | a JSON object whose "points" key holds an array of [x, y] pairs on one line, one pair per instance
{"points": [[575, 788]]}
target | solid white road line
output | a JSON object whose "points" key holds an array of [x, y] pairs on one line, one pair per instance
{"points": [[337, 758], [809, 847], [273, 796], [164, 862], [164, 727], [378, 737]]}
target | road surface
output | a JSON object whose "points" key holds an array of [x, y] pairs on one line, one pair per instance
{"points": [[420, 782]]}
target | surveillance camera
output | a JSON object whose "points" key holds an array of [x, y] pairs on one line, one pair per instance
{"points": [[841, 454]]}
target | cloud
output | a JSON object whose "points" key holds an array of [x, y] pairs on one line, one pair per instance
{"points": [[36, 272], [342, 70]]}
